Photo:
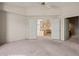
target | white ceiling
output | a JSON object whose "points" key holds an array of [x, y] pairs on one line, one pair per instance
{"points": [[33, 4]]}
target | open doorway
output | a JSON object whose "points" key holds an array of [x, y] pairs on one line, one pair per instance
{"points": [[73, 28], [44, 28]]}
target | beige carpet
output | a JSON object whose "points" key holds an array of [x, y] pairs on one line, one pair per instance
{"points": [[75, 39], [40, 48]]}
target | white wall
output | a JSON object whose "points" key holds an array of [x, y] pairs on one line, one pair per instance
{"points": [[70, 11]]}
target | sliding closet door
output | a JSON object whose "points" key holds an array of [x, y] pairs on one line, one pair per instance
{"points": [[15, 27], [26, 28], [55, 23], [32, 28]]}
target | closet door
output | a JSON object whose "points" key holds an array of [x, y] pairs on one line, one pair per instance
{"points": [[27, 28], [32, 28], [15, 27], [55, 23]]}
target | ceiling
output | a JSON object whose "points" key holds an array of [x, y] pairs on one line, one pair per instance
{"points": [[34, 4]]}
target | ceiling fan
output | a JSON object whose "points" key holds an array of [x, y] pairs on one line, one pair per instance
{"points": [[48, 5], [45, 4]]}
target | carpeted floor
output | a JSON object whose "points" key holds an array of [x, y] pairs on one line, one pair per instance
{"points": [[74, 39], [40, 48]]}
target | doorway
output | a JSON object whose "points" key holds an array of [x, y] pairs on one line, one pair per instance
{"points": [[44, 28], [73, 28]]}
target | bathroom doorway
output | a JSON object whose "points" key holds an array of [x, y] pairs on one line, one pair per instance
{"points": [[73, 28]]}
